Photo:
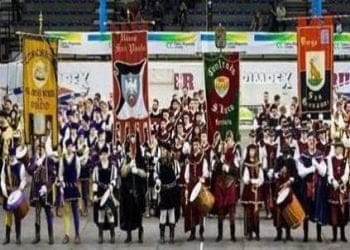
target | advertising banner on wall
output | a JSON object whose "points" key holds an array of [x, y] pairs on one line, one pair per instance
{"points": [[191, 43]]}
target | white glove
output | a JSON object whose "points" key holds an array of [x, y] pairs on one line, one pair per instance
{"points": [[95, 199], [43, 190], [158, 182], [225, 168], [312, 169], [134, 170], [202, 180], [148, 154], [270, 173], [335, 184], [254, 181], [94, 187], [111, 188]]}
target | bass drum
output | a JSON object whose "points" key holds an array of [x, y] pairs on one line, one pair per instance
{"points": [[292, 211], [202, 198], [18, 204]]}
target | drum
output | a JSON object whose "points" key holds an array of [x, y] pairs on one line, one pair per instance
{"points": [[202, 198], [292, 211], [22, 155], [18, 204]]}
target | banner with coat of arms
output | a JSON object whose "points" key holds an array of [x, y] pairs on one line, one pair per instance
{"points": [[40, 87], [130, 87], [222, 90], [315, 67]]}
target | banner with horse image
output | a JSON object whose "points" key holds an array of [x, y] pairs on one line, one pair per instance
{"points": [[222, 89], [130, 87], [40, 88], [315, 67]]}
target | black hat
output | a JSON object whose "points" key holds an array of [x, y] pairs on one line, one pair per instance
{"points": [[311, 134], [104, 150], [69, 142], [338, 143], [304, 130], [166, 146], [252, 133], [74, 126]]}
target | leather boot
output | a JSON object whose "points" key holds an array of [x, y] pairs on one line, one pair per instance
{"points": [[128, 237], [201, 233], [162, 233], [335, 232], [306, 230], [100, 234], [37, 234], [220, 228], [192, 235], [288, 235], [342, 234], [319, 232], [18, 232], [140, 234], [51, 237], [233, 232], [172, 233], [7, 235], [112, 232], [257, 231], [279, 234]]}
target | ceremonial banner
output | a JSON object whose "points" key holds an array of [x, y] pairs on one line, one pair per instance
{"points": [[40, 88], [130, 88], [315, 67], [222, 89]]}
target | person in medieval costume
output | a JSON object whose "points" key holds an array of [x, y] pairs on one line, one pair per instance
{"points": [[104, 179], [285, 176], [252, 196], [338, 195], [133, 189], [312, 170], [13, 177], [68, 174], [43, 172], [226, 187], [196, 171], [166, 175]]}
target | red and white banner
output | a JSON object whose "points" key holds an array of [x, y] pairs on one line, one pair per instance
{"points": [[315, 66], [130, 83]]}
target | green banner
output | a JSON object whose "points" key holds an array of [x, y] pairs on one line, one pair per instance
{"points": [[222, 89]]}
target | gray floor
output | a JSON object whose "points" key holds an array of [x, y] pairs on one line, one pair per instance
{"points": [[89, 237]]}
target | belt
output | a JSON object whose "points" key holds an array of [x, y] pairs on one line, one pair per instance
{"points": [[169, 186]]}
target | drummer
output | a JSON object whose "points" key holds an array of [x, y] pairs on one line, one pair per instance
{"points": [[13, 178], [167, 173], [104, 179], [285, 175], [196, 171], [338, 196], [43, 172]]}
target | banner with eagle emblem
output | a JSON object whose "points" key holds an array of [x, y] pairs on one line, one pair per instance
{"points": [[130, 88], [315, 66], [222, 89]]}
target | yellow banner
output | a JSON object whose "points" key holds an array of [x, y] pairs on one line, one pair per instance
{"points": [[40, 88]]}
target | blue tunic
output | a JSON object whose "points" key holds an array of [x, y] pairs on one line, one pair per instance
{"points": [[70, 179]]}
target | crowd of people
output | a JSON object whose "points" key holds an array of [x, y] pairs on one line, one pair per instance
{"points": [[294, 167]]}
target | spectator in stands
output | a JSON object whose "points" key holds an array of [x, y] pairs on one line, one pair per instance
{"points": [[158, 15], [281, 13], [338, 26], [273, 26], [257, 22], [183, 15]]}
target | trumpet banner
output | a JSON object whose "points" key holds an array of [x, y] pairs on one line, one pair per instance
{"points": [[315, 66], [222, 83], [40, 88], [130, 83]]}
